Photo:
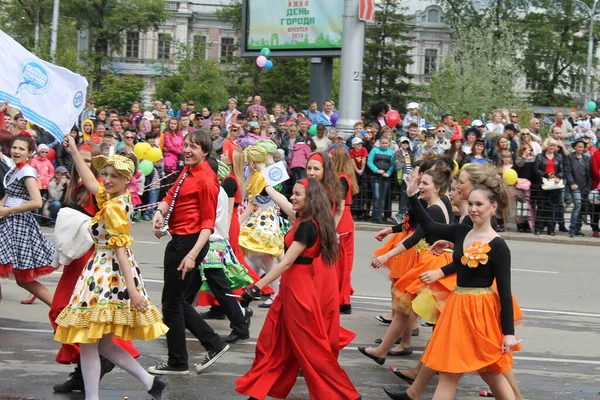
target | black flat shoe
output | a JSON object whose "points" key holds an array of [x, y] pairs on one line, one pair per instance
{"points": [[396, 371], [378, 360], [397, 393], [235, 337], [378, 341], [405, 352], [346, 309], [158, 386], [381, 318]]}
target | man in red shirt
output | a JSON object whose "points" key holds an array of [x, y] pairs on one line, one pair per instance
{"points": [[189, 212]]}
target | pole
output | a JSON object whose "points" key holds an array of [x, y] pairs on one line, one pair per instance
{"points": [[351, 74], [54, 29]]}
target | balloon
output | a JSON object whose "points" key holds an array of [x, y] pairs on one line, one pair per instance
{"points": [[154, 154], [265, 52], [261, 61], [392, 118], [146, 167], [51, 154], [141, 149], [334, 118], [591, 106], [313, 129], [510, 176], [269, 64]]}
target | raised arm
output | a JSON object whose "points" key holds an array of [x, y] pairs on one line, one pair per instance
{"points": [[86, 174]]}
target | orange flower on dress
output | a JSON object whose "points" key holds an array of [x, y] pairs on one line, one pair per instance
{"points": [[476, 255]]}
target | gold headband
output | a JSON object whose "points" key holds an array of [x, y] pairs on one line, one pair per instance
{"points": [[123, 165]]}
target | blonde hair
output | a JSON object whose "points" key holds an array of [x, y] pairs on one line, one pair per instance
{"points": [[549, 141], [237, 164]]}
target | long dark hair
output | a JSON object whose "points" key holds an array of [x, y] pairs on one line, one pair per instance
{"points": [[76, 193], [317, 209], [331, 182]]}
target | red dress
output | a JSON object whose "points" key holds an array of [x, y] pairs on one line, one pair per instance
{"points": [[345, 230], [69, 354], [294, 337]]}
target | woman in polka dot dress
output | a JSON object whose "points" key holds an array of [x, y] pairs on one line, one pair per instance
{"points": [[109, 299]]}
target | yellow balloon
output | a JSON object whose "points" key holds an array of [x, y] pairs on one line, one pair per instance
{"points": [[510, 176], [141, 149], [154, 154]]}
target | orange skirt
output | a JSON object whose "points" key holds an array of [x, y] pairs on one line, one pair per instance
{"points": [[407, 287], [468, 336], [399, 264]]}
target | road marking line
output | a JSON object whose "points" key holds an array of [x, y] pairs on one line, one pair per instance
{"points": [[347, 349], [535, 270]]}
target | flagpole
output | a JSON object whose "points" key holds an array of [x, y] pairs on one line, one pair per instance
{"points": [[54, 29]]}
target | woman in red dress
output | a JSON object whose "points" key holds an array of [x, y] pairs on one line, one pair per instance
{"points": [[344, 166], [79, 198], [294, 335]]}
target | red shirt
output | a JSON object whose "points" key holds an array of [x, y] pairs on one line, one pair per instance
{"points": [[550, 166], [196, 204], [359, 156]]}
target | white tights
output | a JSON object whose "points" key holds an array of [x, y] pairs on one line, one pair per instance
{"points": [[90, 365], [264, 262]]}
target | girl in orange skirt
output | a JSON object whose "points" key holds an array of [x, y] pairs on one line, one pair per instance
{"points": [[420, 376], [468, 336], [344, 166], [434, 184], [294, 334]]}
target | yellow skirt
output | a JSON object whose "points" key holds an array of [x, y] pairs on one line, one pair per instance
{"points": [[89, 325]]}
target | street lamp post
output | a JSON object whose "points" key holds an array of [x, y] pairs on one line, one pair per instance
{"points": [[588, 86]]}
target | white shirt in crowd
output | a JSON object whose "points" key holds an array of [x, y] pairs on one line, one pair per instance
{"points": [[221, 231]]}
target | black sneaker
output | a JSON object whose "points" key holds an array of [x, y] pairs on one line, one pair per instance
{"points": [[562, 228], [158, 386], [346, 309], [74, 383], [211, 357], [166, 369]]}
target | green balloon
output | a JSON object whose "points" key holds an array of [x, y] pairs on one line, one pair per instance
{"points": [[265, 52], [146, 167], [313, 129], [591, 106]]}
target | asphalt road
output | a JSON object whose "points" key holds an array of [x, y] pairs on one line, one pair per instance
{"points": [[555, 284]]}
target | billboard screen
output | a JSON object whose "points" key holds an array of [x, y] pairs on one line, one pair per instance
{"points": [[289, 26]]}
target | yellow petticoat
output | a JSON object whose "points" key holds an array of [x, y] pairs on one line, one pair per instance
{"points": [[89, 325]]}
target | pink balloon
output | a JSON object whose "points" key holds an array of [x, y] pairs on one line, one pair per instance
{"points": [[261, 61]]}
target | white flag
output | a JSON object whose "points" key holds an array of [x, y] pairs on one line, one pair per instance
{"points": [[48, 95]]}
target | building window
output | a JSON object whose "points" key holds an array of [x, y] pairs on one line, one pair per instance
{"points": [[164, 46], [433, 15], [133, 45], [200, 46], [430, 61], [227, 48]]}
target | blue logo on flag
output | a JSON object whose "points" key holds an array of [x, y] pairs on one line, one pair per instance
{"points": [[78, 99], [275, 174], [34, 77]]}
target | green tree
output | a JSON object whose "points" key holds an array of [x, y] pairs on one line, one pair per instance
{"points": [[481, 73], [107, 21], [195, 79], [119, 92], [386, 56], [555, 50]]}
